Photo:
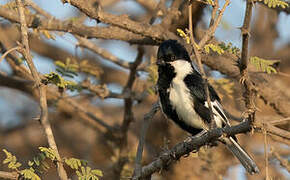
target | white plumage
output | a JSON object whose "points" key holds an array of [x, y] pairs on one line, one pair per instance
{"points": [[180, 96]]}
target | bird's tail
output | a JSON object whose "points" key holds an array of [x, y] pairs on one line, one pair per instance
{"points": [[242, 155]]}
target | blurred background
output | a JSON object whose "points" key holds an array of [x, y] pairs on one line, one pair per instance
{"points": [[80, 135]]}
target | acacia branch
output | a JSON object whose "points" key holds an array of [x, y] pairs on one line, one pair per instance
{"points": [[249, 93], [210, 32], [54, 24], [122, 21], [145, 126], [9, 175], [170, 156], [198, 60], [283, 162], [42, 91]]}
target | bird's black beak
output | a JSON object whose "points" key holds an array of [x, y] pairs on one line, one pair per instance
{"points": [[160, 62]]}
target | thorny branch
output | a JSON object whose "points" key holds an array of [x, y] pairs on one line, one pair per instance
{"points": [[183, 148], [249, 93], [42, 91]]}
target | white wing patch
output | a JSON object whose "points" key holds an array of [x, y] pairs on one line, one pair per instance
{"points": [[180, 96], [218, 114]]}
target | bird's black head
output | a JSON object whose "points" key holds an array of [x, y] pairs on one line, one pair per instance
{"points": [[171, 50]]}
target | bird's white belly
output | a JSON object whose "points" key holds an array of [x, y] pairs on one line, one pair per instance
{"points": [[182, 102]]}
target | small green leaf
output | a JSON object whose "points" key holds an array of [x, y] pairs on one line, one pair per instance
{"points": [[97, 172], [214, 48], [264, 65], [29, 174], [49, 153], [275, 3], [184, 35], [11, 160]]}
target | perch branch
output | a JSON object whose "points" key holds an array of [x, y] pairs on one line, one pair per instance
{"points": [[183, 148]]}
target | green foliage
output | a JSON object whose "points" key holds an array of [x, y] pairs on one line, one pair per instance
{"points": [[29, 174], [75, 163], [184, 35], [230, 48], [221, 48], [210, 2], [48, 152], [275, 3], [71, 68], [56, 79], [86, 173], [264, 65], [214, 48], [11, 160], [67, 69], [39, 162]]}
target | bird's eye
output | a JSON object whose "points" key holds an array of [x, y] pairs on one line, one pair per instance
{"points": [[173, 57]]}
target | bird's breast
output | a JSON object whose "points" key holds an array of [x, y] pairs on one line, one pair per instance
{"points": [[182, 101]]}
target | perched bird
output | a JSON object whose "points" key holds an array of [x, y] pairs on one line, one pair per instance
{"points": [[183, 99]]}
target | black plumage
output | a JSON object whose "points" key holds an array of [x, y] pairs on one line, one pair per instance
{"points": [[183, 99]]}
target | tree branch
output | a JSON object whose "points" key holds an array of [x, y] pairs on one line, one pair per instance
{"points": [[42, 91], [9, 175], [145, 126], [183, 148], [78, 29], [249, 93]]}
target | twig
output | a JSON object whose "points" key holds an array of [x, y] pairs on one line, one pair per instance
{"points": [[89, 114], [266, 154], [128, 113], [83, 42], [42, 91], [198, 60], [122, 21], [80, 29], [8, 175], [38, 9], [249, 94], [145, 125], [210, 32], [9, 51], [283, 162], [183, 148], [279, 121]]}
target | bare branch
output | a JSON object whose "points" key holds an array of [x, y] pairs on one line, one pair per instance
{"points": [[78, 29], [210, 32], [122, 21], [283, 162], [42, 91], [145, 126], [198, 60], [9, 51], [183, 148], [9, 175], [249, 93]]}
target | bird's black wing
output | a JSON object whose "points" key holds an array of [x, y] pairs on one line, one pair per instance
{"points": [[196, 85]]}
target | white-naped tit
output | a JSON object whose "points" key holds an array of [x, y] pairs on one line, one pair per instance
{"points": [[183, 98]]}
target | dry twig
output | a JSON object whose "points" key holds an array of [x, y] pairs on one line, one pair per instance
{"points": [[42, 91]]}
